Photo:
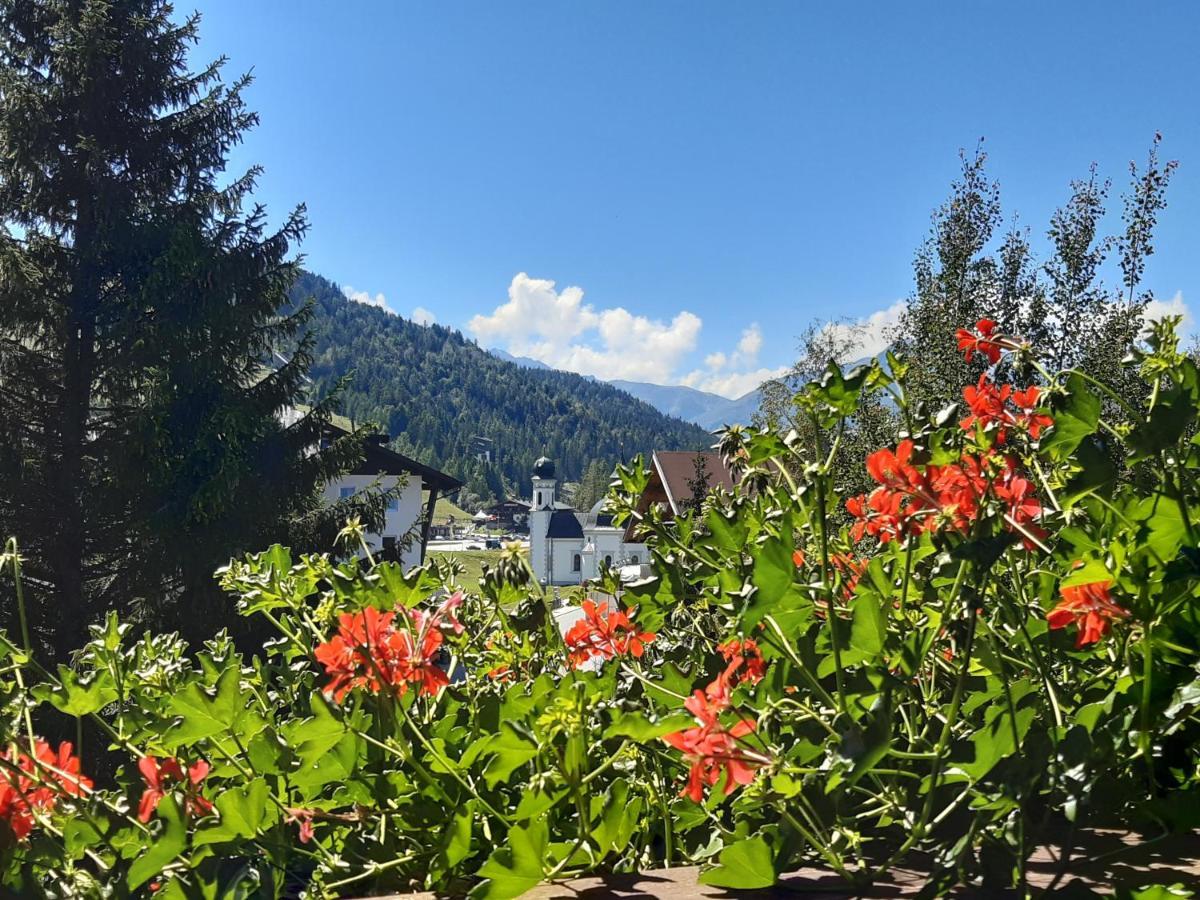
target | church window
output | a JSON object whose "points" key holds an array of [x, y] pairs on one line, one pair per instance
{"points": [[634, 559], [608, 560], [576, 563]]}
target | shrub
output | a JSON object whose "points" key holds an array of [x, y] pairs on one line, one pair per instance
{"points": [[995, 646]]}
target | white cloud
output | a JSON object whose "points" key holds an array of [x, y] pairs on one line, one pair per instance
{"points": [[1157, 309], [731, 384], [558, 328], [750, 343], [365, 297], [872, 334], [422, 316]]}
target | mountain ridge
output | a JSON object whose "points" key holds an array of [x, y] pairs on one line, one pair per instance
{"points": [[708, 410], [444, 400]]}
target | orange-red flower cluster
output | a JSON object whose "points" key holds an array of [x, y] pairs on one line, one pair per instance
{"points": [[1003, 407], [910, 499], [37, 784], [970, 343], [744, 661], [1090, 606], [372, 650], [851, 570], [603, 634], [710, 749], [165, 775]]}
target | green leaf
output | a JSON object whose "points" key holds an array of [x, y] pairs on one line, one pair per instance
{"points": [[75, 696], [1097, 474], [79, 834], [333, 766], [201, 715], [244, 813], [458, 837], [1165, 527], [1078, 417], [509, 751], [618, 817], [161, 850], [745, 865], [405, 589], [773, 573], [1155, 892], [996, 740], [642, 729], [1091, 570], [869, 626], [513, 869], [535, 802]]}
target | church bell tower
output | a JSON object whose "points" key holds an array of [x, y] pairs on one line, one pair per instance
{"points": [[541, 509]]}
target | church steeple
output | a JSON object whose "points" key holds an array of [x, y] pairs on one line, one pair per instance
{"points": [[544, 484], [541, 510]]}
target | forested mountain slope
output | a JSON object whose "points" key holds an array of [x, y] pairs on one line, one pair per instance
{"points": [[436, 392]]}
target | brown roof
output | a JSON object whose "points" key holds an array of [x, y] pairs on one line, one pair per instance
{"points": [[670, 472], [678, 467], [379, 459]]}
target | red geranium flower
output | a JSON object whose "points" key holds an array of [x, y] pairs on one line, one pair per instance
{"points": [[1029, 419], [416, 649], [1090, 607], [987, 403], [37, 784], [604, 634], [370, 650], [745, 661], [163, 776], [970, 343], [711, 750]]}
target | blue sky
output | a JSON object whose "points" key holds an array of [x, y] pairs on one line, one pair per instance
{"points": [[709, 177]]}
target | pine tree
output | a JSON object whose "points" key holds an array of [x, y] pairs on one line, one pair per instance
{"points": [[698, 483], [142, 438]]}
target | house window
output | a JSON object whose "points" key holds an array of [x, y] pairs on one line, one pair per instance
{"points": [[346, 492], [608, 560], [393, 505], [576, 563], [389, 548]]}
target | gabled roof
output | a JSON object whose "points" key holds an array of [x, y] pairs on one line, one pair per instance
{"points": [[676, 468], [670, 472], [382, 460], [512, 502], [564, 524]]}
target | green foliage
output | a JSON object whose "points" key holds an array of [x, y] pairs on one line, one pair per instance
{"points": [[140, 290], [915, 705]]}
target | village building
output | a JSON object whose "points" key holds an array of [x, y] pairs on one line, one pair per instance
{"points": [[675, 479], [568, 547], [409, 516], [510, 514]]}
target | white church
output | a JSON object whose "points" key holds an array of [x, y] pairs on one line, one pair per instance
{"points": [[568, 547]]}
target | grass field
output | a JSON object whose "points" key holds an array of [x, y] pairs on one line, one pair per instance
{"points": [[444, 509], [473, 561]]}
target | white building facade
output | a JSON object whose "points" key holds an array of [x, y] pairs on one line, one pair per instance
{"points": [[406, 525], [567, 547]]}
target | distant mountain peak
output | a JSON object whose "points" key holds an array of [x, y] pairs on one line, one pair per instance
{"points": [[709, 411]]}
